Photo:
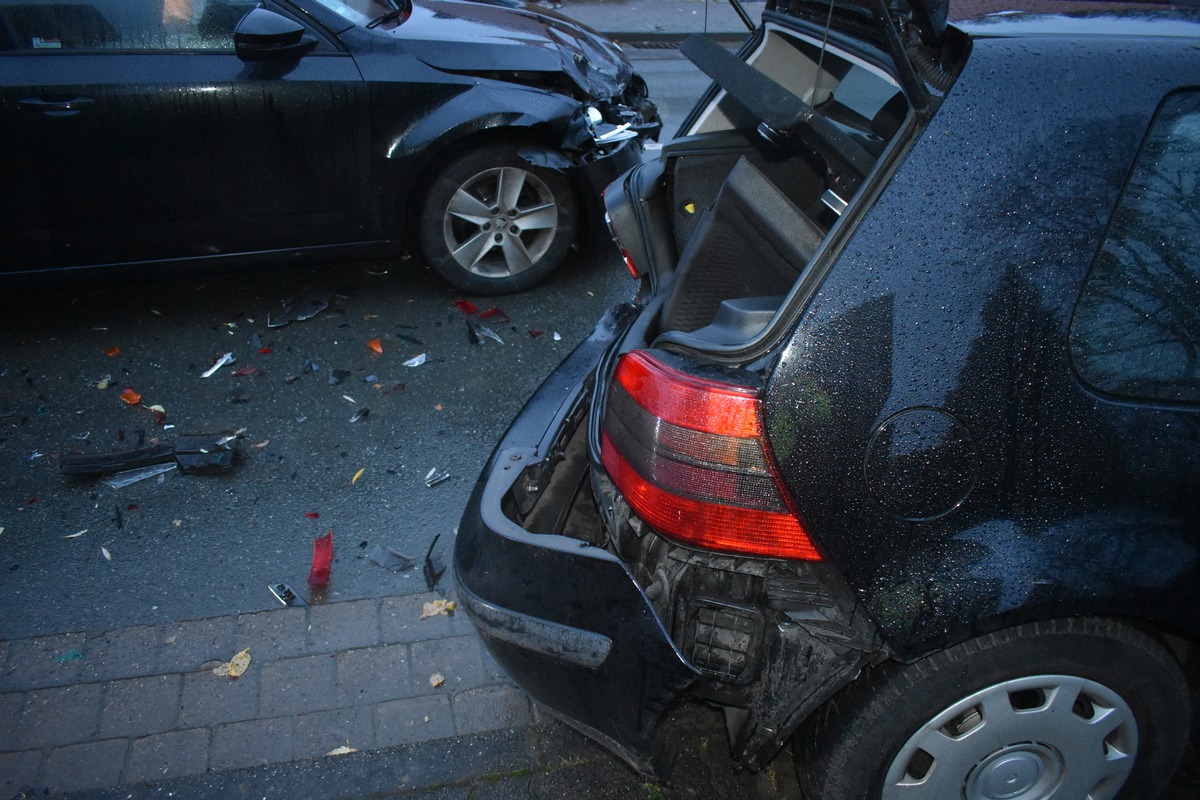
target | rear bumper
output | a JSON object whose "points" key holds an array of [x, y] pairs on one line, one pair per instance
{"points": [[566, 619]]}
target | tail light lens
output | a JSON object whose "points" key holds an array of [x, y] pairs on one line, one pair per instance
{"points": [[690, 457]]}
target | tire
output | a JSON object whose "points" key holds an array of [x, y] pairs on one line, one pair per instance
{"points": [[475, 242], [1062, 710]]}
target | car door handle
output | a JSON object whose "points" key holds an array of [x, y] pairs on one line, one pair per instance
{"points": [[56, 108]]}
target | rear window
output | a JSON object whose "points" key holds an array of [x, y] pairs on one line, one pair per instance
{"points": [[1136, 331]]}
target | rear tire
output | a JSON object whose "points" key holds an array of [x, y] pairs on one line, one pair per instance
{"points": [[1062, 710], [493, 223]]}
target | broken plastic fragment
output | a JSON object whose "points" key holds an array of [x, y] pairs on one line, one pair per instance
{"points": [[220, 362], [285, 594], [357, 475], [112, 351], [360, 414], [436, 476], [466, 306], [104, 552], [436, 680], [69, 655], [435, 607], [76, 535], [375, 346], [535, 334], [312, 515], [236, 667], [557, 336], [415, 361], [388, 558], [322, 558], [495, 315], [130, 396], [131, 476], [247, 371], [299, 310]]}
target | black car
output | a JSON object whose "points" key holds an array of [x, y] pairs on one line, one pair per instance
{"points": [[897, 455], [159, 132]]}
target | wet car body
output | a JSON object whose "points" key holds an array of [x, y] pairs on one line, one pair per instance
{"points": [[932, 358], [293, 132]]}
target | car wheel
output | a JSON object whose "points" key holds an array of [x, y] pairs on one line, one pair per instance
{"points": [[494, 223], [1063, 710]]}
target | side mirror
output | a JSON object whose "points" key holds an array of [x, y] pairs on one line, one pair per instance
{"points": [[263, 35]]}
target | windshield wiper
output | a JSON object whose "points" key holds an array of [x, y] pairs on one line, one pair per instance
{"points": [[398, 10]]}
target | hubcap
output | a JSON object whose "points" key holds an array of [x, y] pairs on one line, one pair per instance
{"points": [[1045, 737], [500, 222]]}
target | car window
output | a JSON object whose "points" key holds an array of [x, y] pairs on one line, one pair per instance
{"points": [[128, 25], [360, 12], [1136, 332]]}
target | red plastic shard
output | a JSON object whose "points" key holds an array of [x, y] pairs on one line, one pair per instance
{"points": [[535, 334], [312, 515], [266, 351], [322, 556], [247, 371], [112, 351], [130, 396], [467, 307], [495, 315], [375, 346]]}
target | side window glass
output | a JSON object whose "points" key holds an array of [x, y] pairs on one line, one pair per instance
{"points": [[1136, 331], [128, 25]]}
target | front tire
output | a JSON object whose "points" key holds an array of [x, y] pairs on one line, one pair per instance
{"points": [[493, 223], [1062, 710]]}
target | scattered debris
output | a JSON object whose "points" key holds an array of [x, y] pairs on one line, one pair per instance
{"points": [[375, 346], [247, 371], [220, 362], [466, 307], [69, 655], [112, 351], [433, 569], [338, 376], [236, 667], [130, 396], [436, 476], [75, 535], [285, 594], [477, 332], [436, 680], [438, 607], [300, 310], [193, 453], [321, 560], [535, 334], [312, 515], [103, 383], [388, 558], [557, 336], [104, 552], [415, 361], [495, 315], [357, 475], [360, 414], [344, 750], [120, 480]]}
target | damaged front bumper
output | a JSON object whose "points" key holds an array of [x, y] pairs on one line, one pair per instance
{"points": [[564, 617]]}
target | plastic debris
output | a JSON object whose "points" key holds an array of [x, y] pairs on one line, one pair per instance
{"points": [[357, 475], [344, 750], [466, 307], [112, 351], [375, 346], [438, 607], [436, 680], [104, 552], [68, 656], [338, 376], [360, 414], [248, 371], [433, 568], [285, 594], [557, 336], [193, 453], [120, 480], [477, 332], [495, 315], [300, 310], [322, 558], [372, 378], [312, 515], [535, 334], [76, 534], [104, 382], [415, 361], [130, 396], [236, 667], [388, 558], [436, 476], [220, 362]]}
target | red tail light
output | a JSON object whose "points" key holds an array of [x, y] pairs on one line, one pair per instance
{"points": [[690, 457]]}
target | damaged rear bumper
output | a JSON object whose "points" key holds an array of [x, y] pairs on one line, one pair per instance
{"points": [[565, 618]]}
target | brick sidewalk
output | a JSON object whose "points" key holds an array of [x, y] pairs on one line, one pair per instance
{"points": [[142, 704]]}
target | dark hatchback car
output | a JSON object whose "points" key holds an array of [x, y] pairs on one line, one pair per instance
{"points": [[161, 132], [897, 455]]}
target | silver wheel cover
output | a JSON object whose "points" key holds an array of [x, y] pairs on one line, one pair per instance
{"points": [[1045, 737], [500, 222]]}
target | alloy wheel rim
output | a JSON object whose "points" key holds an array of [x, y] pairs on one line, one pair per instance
{"points": [[500, 222], [1043, 737]]}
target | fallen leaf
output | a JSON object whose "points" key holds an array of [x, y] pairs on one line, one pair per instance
{"points": [[357, 475], [436, 607], [236, 667], [344, 750], [375, 346], [436, 680]]}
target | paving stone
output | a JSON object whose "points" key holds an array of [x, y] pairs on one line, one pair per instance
{"points": [[271, 635], [318, 733], [459, 660], [342, 626], [123, 653], [298, 685], [400, 620], [207, 699], [91, 765], [416, 719], [373, 675], [19, 771], [33, 663], [140, 706], [11, 705], [168, 755], [61, 715], [186, 645], [253, 743], [490, 708]]}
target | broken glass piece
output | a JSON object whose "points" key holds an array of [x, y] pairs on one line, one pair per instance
{"points": [[322, 558], [494, 315], [300, 310], [436, 476], [415, 361], [284, 594], [220, 362], [388, 558], [479, 331], [104, 552], [130, 476], [360, 414], [466, 306]]}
